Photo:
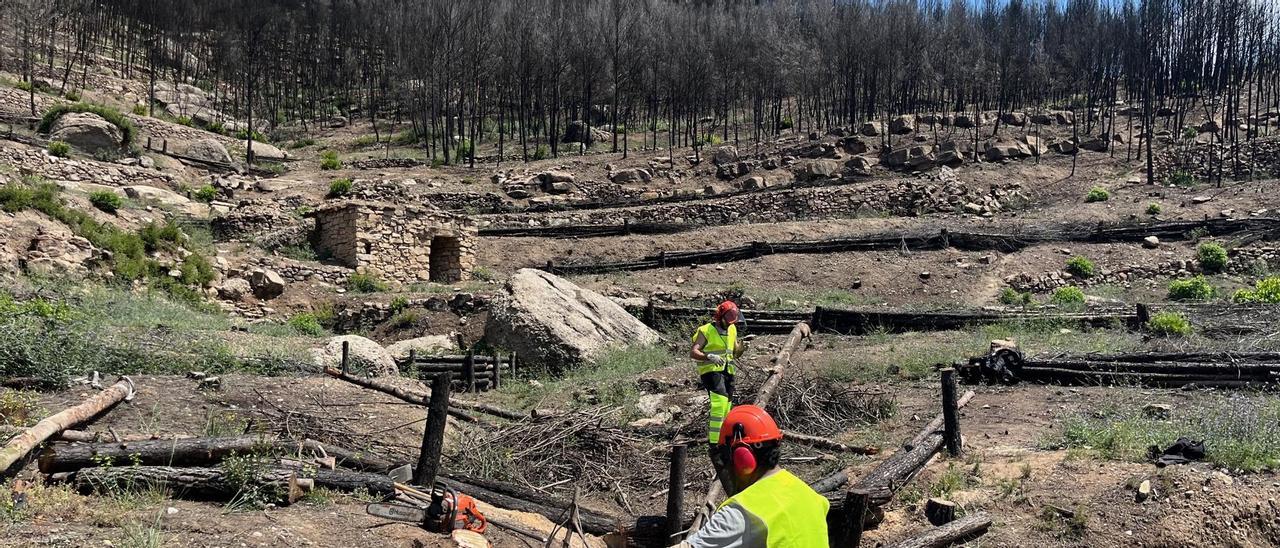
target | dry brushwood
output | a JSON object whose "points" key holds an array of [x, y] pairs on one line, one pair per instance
{"points": [[819, 407], [583, 445]]}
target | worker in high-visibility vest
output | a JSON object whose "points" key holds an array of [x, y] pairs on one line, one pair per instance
{"points": [[715, 348], [768, 507]]}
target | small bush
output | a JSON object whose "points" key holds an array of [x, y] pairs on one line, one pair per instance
{"points": [[72, 95], [787, 123], [339, 188], [404, 319], [1169, 324], [59, 149], [399, 304], [306, 324], [1013, 297], [244, 135], [483, 273], [366, 283], [541, 153], [1097, 194], [1266, 291], [329, 161], [1067, 296], [1191, 289], [206, 193], [304, 142], [106, 200], [140, 110], [1189, 133], [1182, 178], [185, 121], [1153, 209], [1212, 256], [1081, 266]]}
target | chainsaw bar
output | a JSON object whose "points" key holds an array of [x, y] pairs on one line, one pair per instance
{"points": [[397, 512]]}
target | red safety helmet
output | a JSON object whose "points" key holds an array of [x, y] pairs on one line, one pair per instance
{"points": [[744, 427], [728, 311]]}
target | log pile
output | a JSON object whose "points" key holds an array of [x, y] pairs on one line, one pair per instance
{"points": [[1166, 369]]}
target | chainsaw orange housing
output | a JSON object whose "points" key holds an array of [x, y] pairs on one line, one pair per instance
{"points": [[468, 515]]}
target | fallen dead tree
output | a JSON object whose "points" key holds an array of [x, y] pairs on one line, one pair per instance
{"points": [[95, 405], [221, 484], [964, 529], [1164, 369], [969, 241], [457, 408], [64, 457]]}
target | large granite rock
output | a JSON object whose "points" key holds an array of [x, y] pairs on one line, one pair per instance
{"points": [[364, 355], [422, 346], [87, 132], [209, 150], [552, 322]]}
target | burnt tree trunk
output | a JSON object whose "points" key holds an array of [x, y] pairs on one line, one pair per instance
{"points": [[965, 528], [66, 457]]}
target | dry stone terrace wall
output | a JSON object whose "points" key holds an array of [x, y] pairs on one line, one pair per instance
{"points": [[406, 244], [298, 272], [36, 161], [1243, 261], [1202, 161], [907, 197]]}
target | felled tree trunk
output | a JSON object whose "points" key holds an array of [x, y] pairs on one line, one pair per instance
{"points": [[65, 457], [23, 443], [216, 484], [963, 529]]}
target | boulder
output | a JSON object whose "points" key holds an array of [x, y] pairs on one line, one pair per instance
{"points": [[1095, 144], [631, 175], [208, 150], [902, 124], [910, 157], [552, 322], [754, 183], [724, 154], [278, 185], [1014, 118], [263, 151], [1151, 242], [364, 356], [87, 131], [266, 283], [871, 129], [1002, 150], [548, 177], [422, 346], [861, 165], [852, 145], [1064, 147], [1064, 117], [235, 289], [156, 195], [1209, 126], [1036, 145], [577, 132], [817, 169], [964, 121]]}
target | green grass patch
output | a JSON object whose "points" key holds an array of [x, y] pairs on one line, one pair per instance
{"points": [[1153, 209], [59, 148], [610, 380], [1240, 431], [1097, 194], [329, 161], [1012, 297], [1191, 289], [1169, 324], [106, 200], [366, 283], [1069, 296], [1264, 291], [206, 194]]}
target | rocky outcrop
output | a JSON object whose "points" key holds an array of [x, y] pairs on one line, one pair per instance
{"points": [[577, 132], [364, 355], [631, 175], [724, 154], [422, 346], [208, 150], [87, 131], [552, 322], [267, 284]]}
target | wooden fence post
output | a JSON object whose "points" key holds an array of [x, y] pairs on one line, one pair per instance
{"points": [[950, 413], [675, 494], [495, 381], [512, 372], [346, 352], [848, 533], [433, 436], [469, 371], [413, 359]]}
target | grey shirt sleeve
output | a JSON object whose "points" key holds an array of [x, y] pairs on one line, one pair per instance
{"points": [[729, 527]]}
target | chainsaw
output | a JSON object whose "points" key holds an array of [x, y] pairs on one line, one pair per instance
{"points": [[448, 511]]}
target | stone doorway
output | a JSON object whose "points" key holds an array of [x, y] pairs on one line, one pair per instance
{"points": [[445, 264]]}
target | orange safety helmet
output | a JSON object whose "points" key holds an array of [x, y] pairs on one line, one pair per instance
{"points": [[744, 427], [727, 311]]}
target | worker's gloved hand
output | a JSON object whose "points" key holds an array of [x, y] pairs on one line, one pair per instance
{"points": [[716, 359]]}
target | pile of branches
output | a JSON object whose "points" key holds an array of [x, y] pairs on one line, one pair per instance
{"points": [[583, 446], [820, 407]]}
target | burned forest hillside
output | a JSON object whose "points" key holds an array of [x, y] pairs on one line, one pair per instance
{"points": [[275, 273]]}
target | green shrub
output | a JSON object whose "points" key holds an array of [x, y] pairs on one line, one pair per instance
{"points": [[1169, 324], [184, 121], [339, 188], [111, 115], [206, 193], [24, 86], [541, 153], [1153, 209], [244, 134], [404, 319], [482, 273], [329, 161], [1212, 256], [405, 138], [1067, 296], [304, 142], [1189, 133], [72, 95], [366, 283], [787, 123], [1013, 297], [399, 304], [306, 324], [1097, 194], [1191, 289], [140, 110], [1182, 178], [59, 148], [1081, 266], [106, 200], [1265, 291]]}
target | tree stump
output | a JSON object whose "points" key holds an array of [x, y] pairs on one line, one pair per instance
{"points": [[940, 511]]}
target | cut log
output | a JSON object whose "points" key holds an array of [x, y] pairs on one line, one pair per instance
{"points": [[818, 442], [592, 523], [214, 483], [423, 397], [939, 511], [65, 457], [830, 483], [23, 443], [798, 334], [963, 529], [93, 437]]}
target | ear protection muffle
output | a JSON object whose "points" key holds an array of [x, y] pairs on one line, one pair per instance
{"points": [[743, 458]]}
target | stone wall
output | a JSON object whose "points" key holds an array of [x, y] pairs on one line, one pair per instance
{"points": [[905, 197], [1261, 157], [1243, 261], [405, 244], [38, 162]]}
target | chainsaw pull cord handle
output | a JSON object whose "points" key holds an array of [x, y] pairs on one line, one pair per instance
{"points": [[453, 504]]}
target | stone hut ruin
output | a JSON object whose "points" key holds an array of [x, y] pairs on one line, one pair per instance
{"points": [[401, 243]]}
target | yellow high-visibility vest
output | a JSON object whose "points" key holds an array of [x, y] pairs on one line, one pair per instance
{"points": [[717, 344], [793, 514]]}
